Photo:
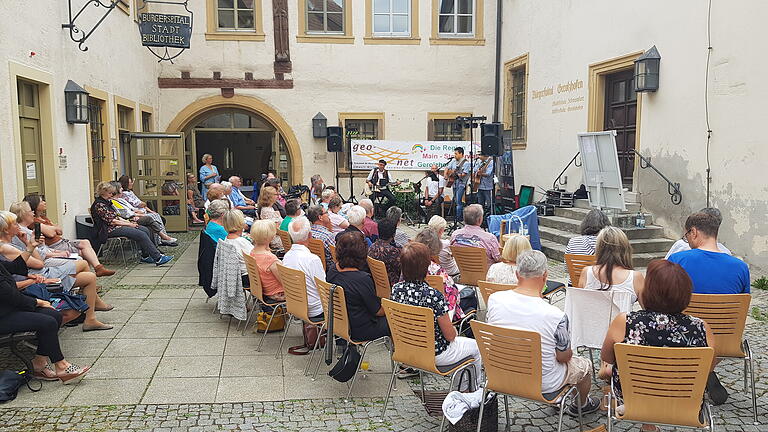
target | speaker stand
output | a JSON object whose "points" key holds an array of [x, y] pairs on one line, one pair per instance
{"points": [[336, 163], [352, 198]]}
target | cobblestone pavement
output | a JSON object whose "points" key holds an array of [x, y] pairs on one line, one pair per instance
{"points": [[405, 412]]}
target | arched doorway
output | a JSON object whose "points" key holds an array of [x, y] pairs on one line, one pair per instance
{"points": [[246, 137]]}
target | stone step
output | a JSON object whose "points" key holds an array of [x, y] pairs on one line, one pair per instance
{"points": [[556, 251], [584, 204], [641, 245], [579, 214], [572, 226]]}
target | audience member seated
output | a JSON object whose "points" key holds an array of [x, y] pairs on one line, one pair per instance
{"points": [[473, 235], [316, 188], [126, 183], [584, 244], [325, 197], [505, 271], [321, 230], [661, 322], [613, 269], [262, 232], [109, 224], [385, 250], [239, 201], [449, 347], [151, 220], [439, 224], [300, 258], [395, 214], [55, 241], [356, 217], [267, 199], [712, 271], [70, 275], [366, 316], [20, 313], [195, 201], [274, 184], [370, 227], [216, 192], [234, 224], [682, 244], [428, 237], [338, 222], [292, 211], [215, 226], [525, 309]]}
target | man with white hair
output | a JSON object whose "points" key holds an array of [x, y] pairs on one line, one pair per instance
{"points": [[300, 258], [239, 201], [524, 309], [356, 218], [473, 235], [370, 227], [326, 196]]}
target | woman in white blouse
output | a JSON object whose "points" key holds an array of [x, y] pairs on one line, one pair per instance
{"points": [[613, 269], [504, 272], [338, 222]]}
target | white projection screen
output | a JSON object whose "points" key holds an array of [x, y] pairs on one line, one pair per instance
{"points": [[600, 165]]}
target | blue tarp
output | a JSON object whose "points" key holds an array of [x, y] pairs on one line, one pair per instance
{"points": [[530, 220]]}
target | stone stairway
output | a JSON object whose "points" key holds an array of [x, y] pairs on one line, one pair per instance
{"points": [[647, 243]]}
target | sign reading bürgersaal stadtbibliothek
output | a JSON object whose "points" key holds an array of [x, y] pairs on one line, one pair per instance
{"points": [[405, 155], [165, 30]]}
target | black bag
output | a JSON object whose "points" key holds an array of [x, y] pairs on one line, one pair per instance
{"points": [[347, 365], [468, 299], [11, 382]]}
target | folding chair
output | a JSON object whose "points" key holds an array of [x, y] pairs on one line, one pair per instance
{"points": [[576, 264], [726, 314], [316, 247], [341, 328], [114, 244], [380, 278], [257, 293], [662, 386], [413, 337], [512, 362], [285, 239]]}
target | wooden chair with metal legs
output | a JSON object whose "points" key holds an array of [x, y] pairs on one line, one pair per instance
{"points": [[512, 362], [296, 302], [341, 328], [436, 282], [726, 315], [576, 264], [316, 247], [333, 252], [380, 278], [257, 293], [285, 239], [472, 262], [487, 288], [413, 339], [662, 386]]}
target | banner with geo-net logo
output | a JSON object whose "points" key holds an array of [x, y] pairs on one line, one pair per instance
{"points": [[405, 155]]}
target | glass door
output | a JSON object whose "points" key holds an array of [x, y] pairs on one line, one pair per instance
{"points": [[157, 167]]}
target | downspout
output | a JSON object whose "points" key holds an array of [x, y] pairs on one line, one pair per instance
{"points": [[497, 82]]}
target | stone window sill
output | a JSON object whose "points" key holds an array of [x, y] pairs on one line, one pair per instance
{"points": [[234, 36]]}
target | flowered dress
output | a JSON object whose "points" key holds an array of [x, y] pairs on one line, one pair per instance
{"points": [[451, 292], [661, 330]]}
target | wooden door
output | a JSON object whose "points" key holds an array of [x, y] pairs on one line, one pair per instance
{"points": [[621, 116], [31, 144]]}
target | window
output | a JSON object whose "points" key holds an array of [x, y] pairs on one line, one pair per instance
{"points": [[234, 20], [362, 126], [515, 106], [235, 15], [146, 121], [325, 16], [456, 18], [444, 127], [391, 18]]}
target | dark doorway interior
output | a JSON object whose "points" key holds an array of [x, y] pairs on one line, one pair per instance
{"points": [[245, 154], [621, 116]]}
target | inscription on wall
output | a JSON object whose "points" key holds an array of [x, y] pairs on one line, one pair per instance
{"points": [[564, 99]]}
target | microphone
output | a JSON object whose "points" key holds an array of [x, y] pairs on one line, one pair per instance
{"points": [[450, 157]]}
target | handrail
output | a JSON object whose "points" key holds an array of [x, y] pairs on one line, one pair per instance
{"points": [[557, 179], [672, 188]]}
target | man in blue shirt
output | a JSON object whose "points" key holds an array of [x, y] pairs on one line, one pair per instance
{"points": [[459, 168], [484, 170], [239, 201]]}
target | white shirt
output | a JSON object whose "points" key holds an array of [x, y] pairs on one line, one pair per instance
{"points": [[682, 245], [521, 312], [502, 273], [628, 285], [243, 245], [336, 221], [300, 258], [433, 187]]}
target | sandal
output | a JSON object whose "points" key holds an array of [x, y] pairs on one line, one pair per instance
{"points": [[107, 308], [299, 350], [47, 373], [99, 327], [73, 374]]}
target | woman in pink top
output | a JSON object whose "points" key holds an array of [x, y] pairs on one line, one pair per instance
{"points": [[262, 232]]}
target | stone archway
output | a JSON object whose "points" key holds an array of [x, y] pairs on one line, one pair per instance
{"points": [[194, 111]]}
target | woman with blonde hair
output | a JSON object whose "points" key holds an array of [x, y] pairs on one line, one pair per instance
{"points": [[234, 224], [505, 271], [439, 224], [209, 174], [262, 232], [613, 269], [266, 211]]}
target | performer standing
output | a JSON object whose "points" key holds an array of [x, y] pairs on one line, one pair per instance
{"points": [[433, 194], [457, 175], [484, 179], [378, 181]]}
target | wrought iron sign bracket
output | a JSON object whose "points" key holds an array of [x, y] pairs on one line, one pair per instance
{"points": [[74, 31]]}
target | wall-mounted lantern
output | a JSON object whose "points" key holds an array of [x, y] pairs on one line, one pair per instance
{"points": [[76, 101], [647, 71], [319, 126]]}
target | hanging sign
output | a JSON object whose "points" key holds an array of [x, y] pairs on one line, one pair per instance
{"points": [[164, 30]]}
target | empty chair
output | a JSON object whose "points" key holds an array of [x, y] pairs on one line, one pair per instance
{"points": [[576, 264]]}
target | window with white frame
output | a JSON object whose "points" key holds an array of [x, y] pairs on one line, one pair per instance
{"points": [[235, 15], [456, 18], [392, 18], [325, 16]]}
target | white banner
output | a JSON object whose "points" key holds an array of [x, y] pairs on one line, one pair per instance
{"points": [[405, 155]]}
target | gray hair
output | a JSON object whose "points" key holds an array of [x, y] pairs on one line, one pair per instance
{"points": [[394, 213], [314, 213], [232, 178], [438, 223], [300, 229], [714, 212], [594, 222], [356, 215], [428, 237], [327, 194], [531, 264], [226, 185], [366, 204], [217, 208], [473, 214]]}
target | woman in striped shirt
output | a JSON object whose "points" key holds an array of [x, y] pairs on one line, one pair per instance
{"points": [[584, 244]]}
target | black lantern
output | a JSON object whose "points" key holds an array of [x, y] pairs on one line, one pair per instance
{"points": [[647, 71], [319, 126], [76, 100]]}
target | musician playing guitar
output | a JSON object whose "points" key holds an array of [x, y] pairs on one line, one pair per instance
{"points": [[378, 182], [457, 175], [483, 181]]}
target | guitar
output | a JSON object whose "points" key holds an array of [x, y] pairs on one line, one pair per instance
{"points": [[478, 176], [451, 175], [368, 190]]}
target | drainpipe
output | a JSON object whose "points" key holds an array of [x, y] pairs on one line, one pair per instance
{"points": [[497, 82]]}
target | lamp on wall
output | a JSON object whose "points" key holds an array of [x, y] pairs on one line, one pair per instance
{"points": [[319, 126], [647, 71], [76, 101]]}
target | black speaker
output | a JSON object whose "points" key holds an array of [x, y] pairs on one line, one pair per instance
{"points": [[335, 140], [490, 141]]}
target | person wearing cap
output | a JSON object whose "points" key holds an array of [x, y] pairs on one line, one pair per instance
{"points": [[378, 181]]}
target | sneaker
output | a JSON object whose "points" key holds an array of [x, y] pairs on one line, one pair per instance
{"points": [[168, 243], [163, 260], [148, 260], [717, 393], [592, 405], [406, 372]]}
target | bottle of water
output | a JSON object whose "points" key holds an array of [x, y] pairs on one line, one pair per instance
{"points": [[642, 220], [637, 220]]}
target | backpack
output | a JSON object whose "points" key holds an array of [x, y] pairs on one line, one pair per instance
{"points": [[11, 382]]}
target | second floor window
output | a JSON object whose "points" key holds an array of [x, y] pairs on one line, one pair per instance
{"points": [[325, 16], [235, 15], [391, 17], [456, 18]]}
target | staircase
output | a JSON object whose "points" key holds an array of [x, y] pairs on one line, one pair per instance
{"points": [[647, 243]]}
